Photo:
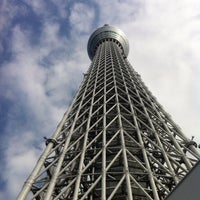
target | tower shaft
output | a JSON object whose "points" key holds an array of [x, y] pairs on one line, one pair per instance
{"points": [[114, 142]]}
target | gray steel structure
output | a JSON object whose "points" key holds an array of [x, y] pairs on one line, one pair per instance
{"points": [[115, 141]]}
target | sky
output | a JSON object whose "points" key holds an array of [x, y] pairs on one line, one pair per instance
{"points": [[43, 56]]}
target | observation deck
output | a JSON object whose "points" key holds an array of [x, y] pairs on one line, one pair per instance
{"points": [[105, 33]]}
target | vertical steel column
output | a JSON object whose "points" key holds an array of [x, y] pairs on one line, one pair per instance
{"points": [[103, 195], [81, 162], [123, 145], [138, 132]]}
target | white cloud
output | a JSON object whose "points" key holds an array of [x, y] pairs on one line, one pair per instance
{"points": [[165, 53], [39, 81], [81, 17], [20, 157], [38, 6], [63, 8], [119, 12], [7, 13]]}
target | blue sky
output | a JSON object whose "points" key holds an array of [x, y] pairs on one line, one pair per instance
{"points": [[43, 57]]}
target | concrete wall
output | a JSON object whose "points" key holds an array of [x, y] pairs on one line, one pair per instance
{"points": [[189, 187]]}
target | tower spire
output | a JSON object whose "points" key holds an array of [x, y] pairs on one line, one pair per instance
{"points": [[115, 141]]}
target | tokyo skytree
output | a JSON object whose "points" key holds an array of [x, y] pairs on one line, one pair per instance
{"points": [[115, 141]]}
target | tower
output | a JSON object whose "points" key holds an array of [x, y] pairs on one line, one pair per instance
{"points": [[115, 141]]}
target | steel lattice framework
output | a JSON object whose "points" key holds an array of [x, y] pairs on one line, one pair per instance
{"points": [[115, 141]]}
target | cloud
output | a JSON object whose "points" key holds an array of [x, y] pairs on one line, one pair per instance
{"points": [[120, 12], [8, 11], [36, 87], [81, 17], [20, 157], [39, 7], [163, 37], [33, 82], [63, 8]]}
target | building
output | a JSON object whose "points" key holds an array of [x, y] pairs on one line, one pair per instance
{"points": [[115, 141], [188, 187]]}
